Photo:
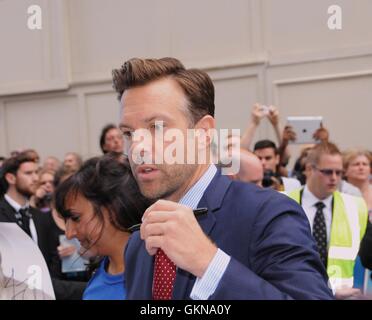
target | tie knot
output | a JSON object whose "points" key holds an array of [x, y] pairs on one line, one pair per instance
{"points": [[24, 212], [320, 205]]}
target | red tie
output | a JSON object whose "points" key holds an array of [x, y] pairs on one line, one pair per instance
{"points": [[164, 276]]}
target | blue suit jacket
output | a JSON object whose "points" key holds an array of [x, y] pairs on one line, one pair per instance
{"points": [[267, 235]]}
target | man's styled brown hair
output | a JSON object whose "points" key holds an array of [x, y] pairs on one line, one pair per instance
{"points": [[196, 84], [320, 149], [12, 165]]}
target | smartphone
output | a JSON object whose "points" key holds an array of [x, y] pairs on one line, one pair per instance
{"points": [[73, 263], [265, 109], [304, 127]]}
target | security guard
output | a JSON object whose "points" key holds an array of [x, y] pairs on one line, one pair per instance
{"points": [[338, 221]]}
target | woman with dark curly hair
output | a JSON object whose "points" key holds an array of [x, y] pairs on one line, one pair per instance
{"points": [[99, 203]]}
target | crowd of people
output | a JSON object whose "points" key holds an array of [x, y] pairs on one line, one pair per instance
{"points": [[271, 232], [27, 193]]}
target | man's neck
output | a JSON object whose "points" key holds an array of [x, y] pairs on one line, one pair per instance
{"points": [[317, 194], [17, 197], [199, 172]]}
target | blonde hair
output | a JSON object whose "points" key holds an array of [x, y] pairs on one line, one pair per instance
{"points": [[320, 149], [351, 154]]}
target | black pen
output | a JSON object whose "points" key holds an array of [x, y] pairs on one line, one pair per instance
{"points": [[197, 213]]}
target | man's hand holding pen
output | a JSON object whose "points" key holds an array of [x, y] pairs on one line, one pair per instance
{"points": [[173, 228]]}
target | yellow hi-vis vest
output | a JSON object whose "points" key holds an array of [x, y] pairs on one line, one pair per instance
{"points": [[349, 222]]}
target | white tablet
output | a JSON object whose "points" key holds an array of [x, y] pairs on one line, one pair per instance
{"points": [[304, 127]]}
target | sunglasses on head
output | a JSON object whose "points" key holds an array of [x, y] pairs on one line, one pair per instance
{"points": [[329, 172]]}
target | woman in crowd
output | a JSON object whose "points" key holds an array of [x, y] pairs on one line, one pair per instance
{"points": [[357, 166], [43, 195], [99, 203]]}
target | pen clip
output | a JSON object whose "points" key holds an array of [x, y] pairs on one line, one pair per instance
{"points": [[197, 213], [200, 211]]}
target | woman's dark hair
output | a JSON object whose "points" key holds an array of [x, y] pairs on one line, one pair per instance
{"points": [[102, 137], [106, 182]]}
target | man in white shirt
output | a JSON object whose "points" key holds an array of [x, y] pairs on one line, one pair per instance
{"points": [[20, 179], [334, 217]]}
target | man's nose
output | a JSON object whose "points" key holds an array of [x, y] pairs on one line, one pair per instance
{"points": [[70, 229], [334, 175]]}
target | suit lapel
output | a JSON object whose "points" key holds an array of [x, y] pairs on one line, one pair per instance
{"points": [[141, 275], [39, 226], [147, 273], [212, 199], [7, 212]]}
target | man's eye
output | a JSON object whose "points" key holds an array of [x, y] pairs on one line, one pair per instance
{"points": [[75, 218], [127, 134], [157, 126]]}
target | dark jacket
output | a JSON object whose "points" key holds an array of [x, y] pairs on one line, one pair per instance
{"points": [[267, 235]]}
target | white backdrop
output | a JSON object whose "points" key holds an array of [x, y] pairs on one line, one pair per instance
{"points": [[55, 83]]}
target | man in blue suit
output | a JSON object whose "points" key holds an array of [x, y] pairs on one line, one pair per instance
{"points": [[252, 243]]}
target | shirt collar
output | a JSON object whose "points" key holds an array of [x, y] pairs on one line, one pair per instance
{"points": [[15, 205], [311, 199], [195, 193]]}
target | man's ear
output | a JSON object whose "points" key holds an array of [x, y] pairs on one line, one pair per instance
{"points": [[10, 178], [205, 127], [308, 169]]}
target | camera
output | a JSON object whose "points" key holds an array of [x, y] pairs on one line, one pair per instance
{"points": [[265, 109], [48, 197], [268, 180]]}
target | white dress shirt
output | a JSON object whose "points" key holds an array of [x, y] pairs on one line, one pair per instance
{"points": [[308, 202], [205, 286], [16, 206]]}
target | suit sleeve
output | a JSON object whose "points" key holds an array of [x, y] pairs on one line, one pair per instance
{"points": [[283, 262]]}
